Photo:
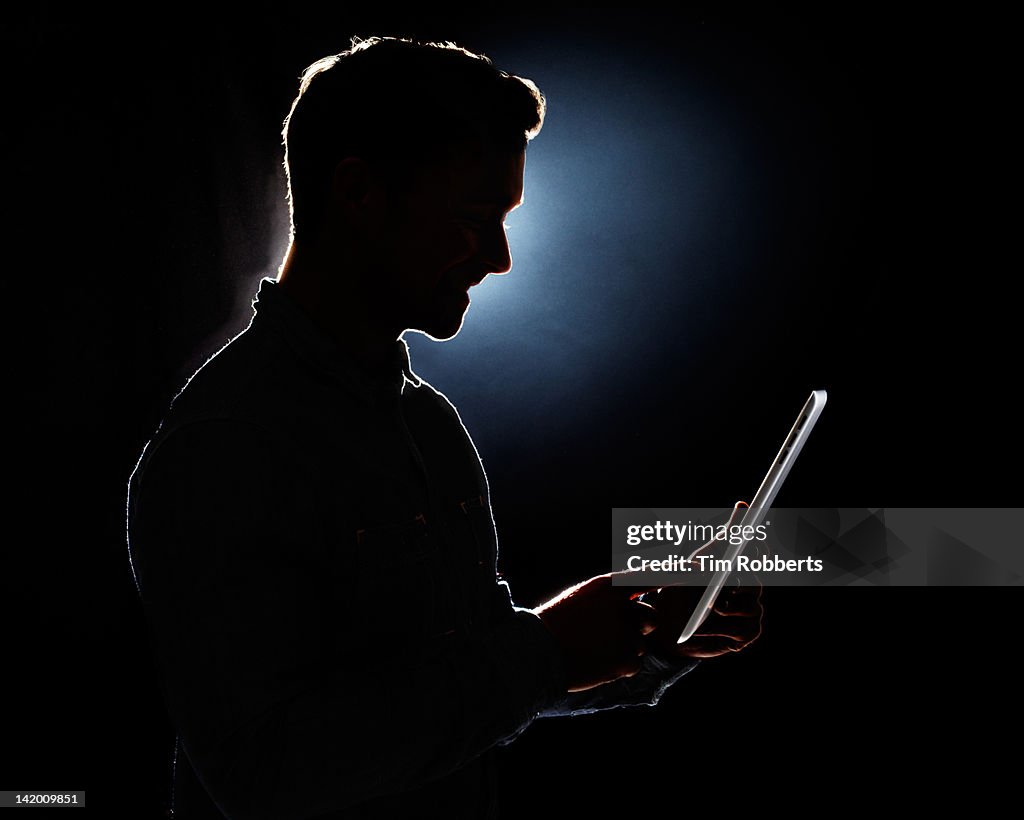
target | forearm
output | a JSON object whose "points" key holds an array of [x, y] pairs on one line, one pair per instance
{"points": [[358, 735]]}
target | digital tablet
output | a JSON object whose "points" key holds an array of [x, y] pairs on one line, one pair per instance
{"points": [[760, 505]]}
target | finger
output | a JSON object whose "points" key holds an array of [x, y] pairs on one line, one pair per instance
{"points": [[736, 621], [629, 663], [734, 634], [739, 505], [693, 555], [736, 609], [730, 633], [634, 596], [741, 630], [704, 647], [631, 667], [748, 580], [738, 601], [644, 617], [743, 585], [627, 581]]}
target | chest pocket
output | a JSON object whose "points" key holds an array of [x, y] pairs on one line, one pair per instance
{"points": [[475, 550], [402, 594], [476, 516]]}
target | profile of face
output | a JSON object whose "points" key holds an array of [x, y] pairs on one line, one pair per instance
{"points": [[445, 236]]}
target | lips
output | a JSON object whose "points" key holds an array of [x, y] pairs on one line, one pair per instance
{"points": [[458, 286]]}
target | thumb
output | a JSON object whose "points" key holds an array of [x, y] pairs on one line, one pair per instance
{"points": [[644, 616], [622, 580], [739, 505]]}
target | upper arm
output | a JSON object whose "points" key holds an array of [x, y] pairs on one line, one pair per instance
{"points": [[224, 539]]}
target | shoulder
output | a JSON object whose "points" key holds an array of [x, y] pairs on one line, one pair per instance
{"points": [[229, 383], [225, 422], [210, 456], [252, 390], [429, 408], [423, 398]]}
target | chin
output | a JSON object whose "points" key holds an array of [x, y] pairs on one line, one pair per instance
{"points": [[441, 334], [442, 325]]}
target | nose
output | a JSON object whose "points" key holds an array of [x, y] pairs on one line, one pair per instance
{"points": [[494, 249]]}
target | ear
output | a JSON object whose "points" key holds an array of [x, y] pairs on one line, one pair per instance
{"points": [[354, 186]]}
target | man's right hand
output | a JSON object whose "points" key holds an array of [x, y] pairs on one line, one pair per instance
{"points": [[600, 629]]}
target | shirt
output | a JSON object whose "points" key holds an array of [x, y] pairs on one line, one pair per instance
{"points": [[316, 557]]}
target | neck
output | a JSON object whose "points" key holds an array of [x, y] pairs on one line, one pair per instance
{"points": [[330, 295]]}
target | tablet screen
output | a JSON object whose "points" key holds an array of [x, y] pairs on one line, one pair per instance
{"points": [[760, 505]]}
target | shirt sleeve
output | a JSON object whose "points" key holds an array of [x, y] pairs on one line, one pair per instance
{"points": [[645, 688], [225, 553]]}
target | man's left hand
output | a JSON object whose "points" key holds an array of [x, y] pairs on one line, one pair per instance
{"points": [[732, 625]]}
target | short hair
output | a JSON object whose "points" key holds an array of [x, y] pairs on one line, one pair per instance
{"points": [[400, 105]]}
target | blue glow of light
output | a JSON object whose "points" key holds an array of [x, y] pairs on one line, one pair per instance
{"points": [[630, 209]]}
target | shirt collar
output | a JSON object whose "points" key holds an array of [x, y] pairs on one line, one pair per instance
{"points": [[272, 306]]}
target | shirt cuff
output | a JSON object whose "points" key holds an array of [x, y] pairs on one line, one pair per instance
{"points": [[645, 688], [533, 665]]}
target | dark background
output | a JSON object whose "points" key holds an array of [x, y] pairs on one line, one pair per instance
{"points": [[141, 202]]}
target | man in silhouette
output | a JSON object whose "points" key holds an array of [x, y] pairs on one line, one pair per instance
{"points": [[310, 527]]}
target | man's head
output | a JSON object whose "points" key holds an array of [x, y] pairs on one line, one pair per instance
{"points": [[403, 160]]}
